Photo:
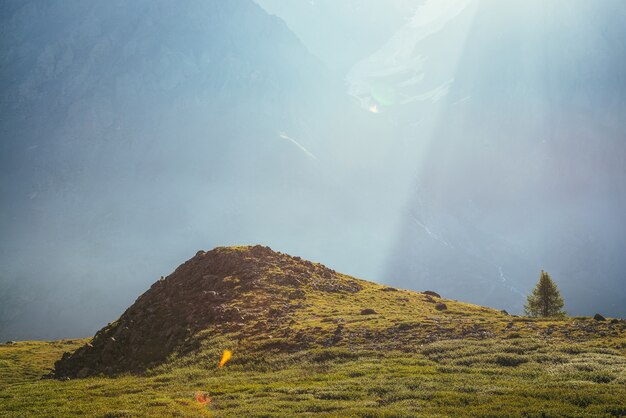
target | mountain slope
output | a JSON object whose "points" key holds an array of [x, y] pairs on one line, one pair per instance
{"points": [[267, 300], [306, 341], [223, 290]]}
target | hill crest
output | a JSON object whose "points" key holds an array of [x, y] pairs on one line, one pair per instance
{"points": [[255, 300], [212, 289]]}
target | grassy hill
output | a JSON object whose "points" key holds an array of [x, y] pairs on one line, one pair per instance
{"points": [[308, 341]]}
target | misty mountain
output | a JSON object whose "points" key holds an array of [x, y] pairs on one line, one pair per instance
{"points": [[342, 32], [134, 131], [525, 169], [455, 145], [513, 112]]}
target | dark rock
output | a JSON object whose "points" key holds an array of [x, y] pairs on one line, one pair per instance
{"points": [[429, 299], [389, 289], [599, 317], [297, 294], [504, 312], [441, 306], [431, 293], [10, 342], [368, 311], [84, 372], [335, 338]]}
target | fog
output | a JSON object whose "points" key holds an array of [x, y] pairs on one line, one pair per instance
{"points": [[460, 146]]}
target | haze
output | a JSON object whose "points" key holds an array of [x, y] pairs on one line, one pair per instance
{"points": [[453, 145]]}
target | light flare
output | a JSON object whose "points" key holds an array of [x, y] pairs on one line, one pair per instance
{"points": [[226, 355], [203, 398], [374, 108]]}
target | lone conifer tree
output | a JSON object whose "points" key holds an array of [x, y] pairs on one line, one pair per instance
{"points": [[545, 299]]}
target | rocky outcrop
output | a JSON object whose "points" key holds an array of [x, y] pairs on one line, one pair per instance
{"points": [[223, 288], [431, 293]]}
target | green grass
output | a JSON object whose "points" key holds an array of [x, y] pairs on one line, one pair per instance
{"points": [[520, 377], [326, 359]]}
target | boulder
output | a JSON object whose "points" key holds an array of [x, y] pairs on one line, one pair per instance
{"points": [[431, 293], [441, 306], [599, 317], [368, 311]]}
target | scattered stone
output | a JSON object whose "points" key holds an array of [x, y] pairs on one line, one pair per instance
{"points": [[441, 306], [599, 317], [203, 293], [431, 293], [403, 326], [335, 337], [368, 311], [429, 299]]}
